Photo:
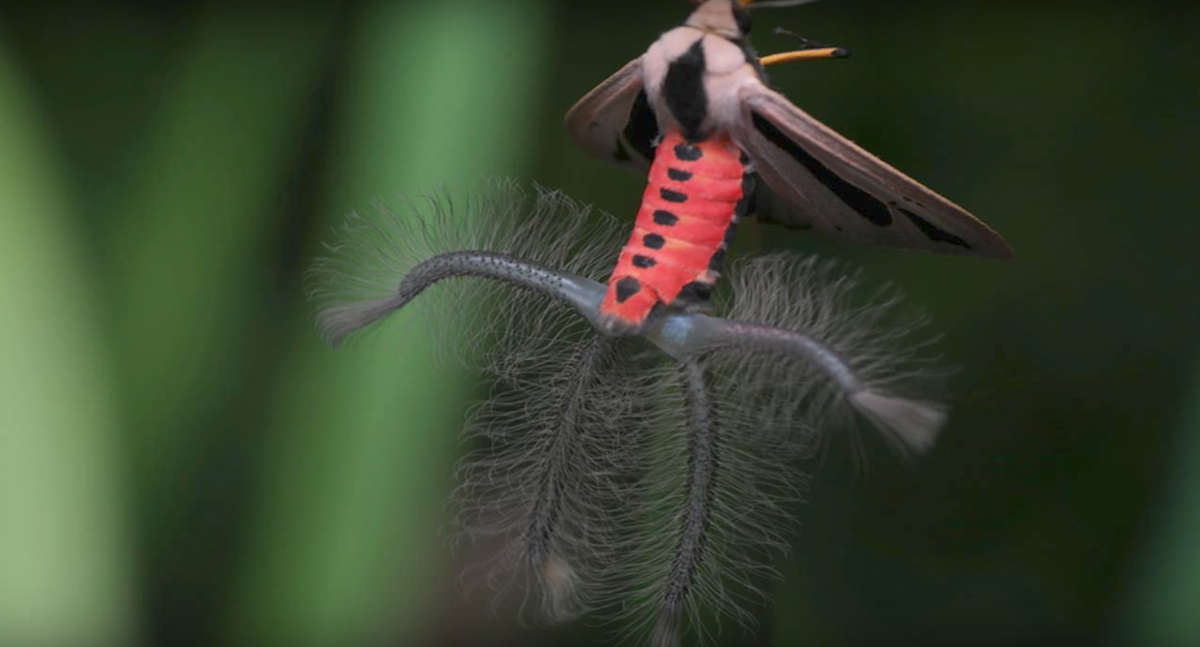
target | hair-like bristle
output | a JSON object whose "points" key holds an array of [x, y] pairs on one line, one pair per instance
{"points": [[870, 332], [340, 321], [667, 524], [597, 479], [715, 507], [668, 625], [554, 452], [358, 283], [561, 597], [911, 424], [698, 497], [773, 412]]}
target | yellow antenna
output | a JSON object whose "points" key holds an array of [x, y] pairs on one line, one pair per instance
{"points": [[810, 50], [804, 55]]}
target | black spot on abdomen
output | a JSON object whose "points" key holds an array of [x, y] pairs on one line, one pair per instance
{"points": [[695, 292], [678, 175], [672, 196], [653, 241], [626, 288], [643, 262], [665, 218], [688, 153], [683, 90], [865, 204]]}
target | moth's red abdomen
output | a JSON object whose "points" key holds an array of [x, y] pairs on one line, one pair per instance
{"points": [[695, 193]]}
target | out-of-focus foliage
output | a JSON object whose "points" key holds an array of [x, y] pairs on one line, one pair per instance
{"points": [[1161, 607], [65, 575], [182, 462]]}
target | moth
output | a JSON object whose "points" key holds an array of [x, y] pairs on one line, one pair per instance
{"points": [[697, 114]]}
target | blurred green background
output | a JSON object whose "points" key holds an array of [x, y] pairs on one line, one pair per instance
{"points": [[182, 462]]}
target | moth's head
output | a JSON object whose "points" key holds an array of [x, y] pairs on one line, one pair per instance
{"points": [[731, 18], [725, 18]]}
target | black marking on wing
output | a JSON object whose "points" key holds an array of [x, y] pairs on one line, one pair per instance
{"points": [[672, 196], [683, 90], [627, 287], [665, 218], [678, 175], [653, 241], [932, 232], [865, 204], [688, 153], [641, 130]]}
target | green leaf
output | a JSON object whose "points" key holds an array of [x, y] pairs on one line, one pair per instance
{"points": [[186, 245], [1167, 590], [348, 544], [64, 557]]}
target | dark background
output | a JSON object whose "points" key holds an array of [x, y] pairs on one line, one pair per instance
{"points": [[184, 463]]}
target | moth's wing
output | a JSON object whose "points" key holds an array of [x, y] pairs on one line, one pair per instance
{"points": [[614, 122], [842, 190]]}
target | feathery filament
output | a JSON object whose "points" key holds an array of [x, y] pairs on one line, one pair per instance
{"points": [[653, 478]]}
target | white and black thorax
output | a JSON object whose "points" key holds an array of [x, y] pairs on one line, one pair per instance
{"points": [[693, 73]]}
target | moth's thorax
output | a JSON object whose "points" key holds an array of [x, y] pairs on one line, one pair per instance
{"points": [[724, 68]]}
